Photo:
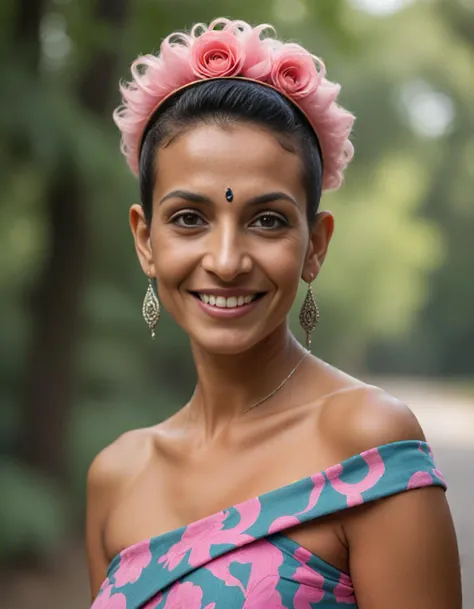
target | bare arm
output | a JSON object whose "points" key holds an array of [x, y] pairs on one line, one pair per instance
{"points": [[96, 511], [109, 477], [402, 549], [403, 553]]}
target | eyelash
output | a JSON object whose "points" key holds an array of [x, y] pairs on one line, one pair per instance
{"points": [[182, 214], [267, 214]]}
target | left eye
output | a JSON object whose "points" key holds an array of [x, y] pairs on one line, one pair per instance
{"points": [[187, 219], [269, 221]]}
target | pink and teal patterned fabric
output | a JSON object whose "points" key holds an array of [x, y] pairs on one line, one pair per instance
{"points": [[241, 558]]}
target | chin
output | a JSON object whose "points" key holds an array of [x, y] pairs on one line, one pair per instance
{"points": [[222, 342]]}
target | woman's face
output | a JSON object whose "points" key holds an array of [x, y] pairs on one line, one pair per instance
{"points": [[211, 256]]}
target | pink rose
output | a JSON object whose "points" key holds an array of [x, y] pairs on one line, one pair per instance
{"points": [[294, 72], [217, 54]]}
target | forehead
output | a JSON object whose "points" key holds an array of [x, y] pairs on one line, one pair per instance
{"points": [[210, 157]]}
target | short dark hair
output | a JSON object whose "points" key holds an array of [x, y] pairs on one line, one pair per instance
{"points": [[231, 101]]}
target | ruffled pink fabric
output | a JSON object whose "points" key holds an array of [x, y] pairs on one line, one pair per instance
{"points": [[233, 49]]}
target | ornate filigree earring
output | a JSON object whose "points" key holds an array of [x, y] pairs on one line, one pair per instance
{"points": [[309, 315], [151, 308]]}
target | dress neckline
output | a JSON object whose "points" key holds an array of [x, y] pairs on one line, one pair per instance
{"points": [[280, 492]]}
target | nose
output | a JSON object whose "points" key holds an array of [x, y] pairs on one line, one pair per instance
{"points": [[226, 254]]}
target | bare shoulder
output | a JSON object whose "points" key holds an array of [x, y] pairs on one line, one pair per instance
{"points": [[365, 417], [111, 471], [120, 461], [385, 536]]}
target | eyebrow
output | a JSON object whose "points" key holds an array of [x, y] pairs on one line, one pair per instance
{"points": [[195, 197]]}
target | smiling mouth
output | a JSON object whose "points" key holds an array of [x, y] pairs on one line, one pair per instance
{"points": [[231, 302]]}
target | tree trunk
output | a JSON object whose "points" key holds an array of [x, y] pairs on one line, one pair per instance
{"points": [[51, 367], [26, 32], [50, 377]]}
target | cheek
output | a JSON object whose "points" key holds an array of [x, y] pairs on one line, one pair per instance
{"points": [[282, 261], [175, 259]]}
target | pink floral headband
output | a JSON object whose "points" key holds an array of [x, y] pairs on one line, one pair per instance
{"points": [[233, 49]]}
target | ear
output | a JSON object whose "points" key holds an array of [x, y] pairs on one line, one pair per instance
{"points": [[318, 245], [141, 235]]}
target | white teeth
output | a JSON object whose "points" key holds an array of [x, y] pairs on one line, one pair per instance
{"points": [[227, 303]]}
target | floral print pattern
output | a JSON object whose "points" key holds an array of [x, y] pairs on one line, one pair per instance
{"points": [[240, 558]]}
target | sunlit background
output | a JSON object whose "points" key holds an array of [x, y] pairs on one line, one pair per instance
{"points": [[77, 366]]}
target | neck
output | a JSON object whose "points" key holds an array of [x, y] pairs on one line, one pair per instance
{"points": [[230, 384]]}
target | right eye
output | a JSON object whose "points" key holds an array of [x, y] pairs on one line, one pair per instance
{"points": [[187, 219]]}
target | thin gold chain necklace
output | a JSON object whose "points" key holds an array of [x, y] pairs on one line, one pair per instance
{"points": [[267, 397], [286, 379]]}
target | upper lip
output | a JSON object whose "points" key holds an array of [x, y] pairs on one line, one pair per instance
{"points": [[227, 292]]}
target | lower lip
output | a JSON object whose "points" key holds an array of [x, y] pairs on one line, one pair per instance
{"points": [[232, 313]]}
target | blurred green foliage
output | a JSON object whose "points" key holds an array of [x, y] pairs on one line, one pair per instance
{"points": [[77, 367]]}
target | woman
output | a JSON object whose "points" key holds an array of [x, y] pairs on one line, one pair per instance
{"points": [[283, 482]]}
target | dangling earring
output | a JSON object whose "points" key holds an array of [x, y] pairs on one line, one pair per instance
{"points": [[151, 308], [309, 315]]}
